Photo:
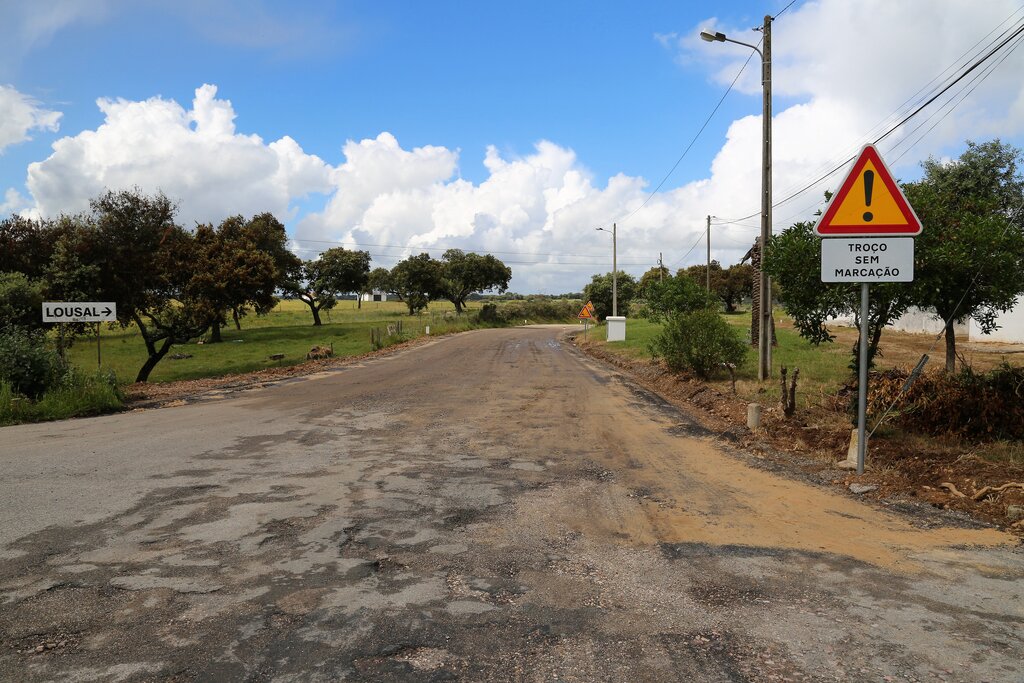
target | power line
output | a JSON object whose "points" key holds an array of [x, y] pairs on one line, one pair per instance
{"points": [[692, 142], [1001, 42]]}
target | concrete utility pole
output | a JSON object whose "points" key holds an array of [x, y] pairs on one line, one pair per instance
{"points": [[764, 369], [661, 269], [709, 255], [615, 271], [764, 344]]}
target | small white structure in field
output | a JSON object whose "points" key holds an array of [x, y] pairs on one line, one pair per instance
{"points": [[374, 296]]}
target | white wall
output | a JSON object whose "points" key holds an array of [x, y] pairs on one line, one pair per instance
{"points": [[918, 321], [1011, 327]]}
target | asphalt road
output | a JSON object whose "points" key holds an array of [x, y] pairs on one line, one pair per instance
{"points": [[488, 507]]}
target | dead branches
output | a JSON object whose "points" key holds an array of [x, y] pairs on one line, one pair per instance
{"points": [[985, 491], [952, 489], [989, 490]]}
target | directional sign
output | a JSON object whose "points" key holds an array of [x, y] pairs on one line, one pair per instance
{"points": [[869, 203], [588, 312], [867, 259], [79, 311]]}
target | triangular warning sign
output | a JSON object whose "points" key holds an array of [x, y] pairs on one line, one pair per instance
{"points": [[588, 312], [868, 203]]}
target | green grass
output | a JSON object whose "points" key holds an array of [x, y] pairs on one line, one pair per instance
{"points": [[822, 368], [288, 330], [80, 394]]}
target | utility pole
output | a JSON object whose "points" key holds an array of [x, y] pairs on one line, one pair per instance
{"points": [[661, 269], [764, 366], [615, 273], [764, 291], [709, 255]]}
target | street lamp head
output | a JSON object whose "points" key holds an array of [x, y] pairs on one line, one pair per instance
{"points": [[712, 37]]}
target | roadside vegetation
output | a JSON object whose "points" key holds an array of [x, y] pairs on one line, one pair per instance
{"points": [[951, 434]]}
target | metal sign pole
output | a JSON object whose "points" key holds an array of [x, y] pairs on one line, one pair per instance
{"points": [[99, 357], [862, 384]]}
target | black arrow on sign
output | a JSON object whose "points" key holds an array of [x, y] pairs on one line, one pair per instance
{"points": [[107, 311]]}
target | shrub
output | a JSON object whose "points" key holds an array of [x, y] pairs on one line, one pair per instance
{"points": [[986, 405], [76, 394], [26, 364], [534, 310], [699, 341], [21, 301]]}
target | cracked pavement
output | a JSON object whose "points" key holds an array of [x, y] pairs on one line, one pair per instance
{"points": [[491, 506]]}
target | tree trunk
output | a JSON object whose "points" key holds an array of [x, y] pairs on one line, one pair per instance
{"points": [[215, 337], [316, 315], [359, 301], [950, 347], [154, 358], [458, 307], [238, 323]]}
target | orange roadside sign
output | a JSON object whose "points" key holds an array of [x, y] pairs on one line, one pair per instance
{"points": [[869, 203], [587, 312]]}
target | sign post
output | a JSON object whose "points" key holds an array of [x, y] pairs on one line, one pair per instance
{"points": [[63, 312], [868, 228], [586, 314]]}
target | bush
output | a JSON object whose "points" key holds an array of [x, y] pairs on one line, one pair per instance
{"points": [[26, 364], [699, 341], [532, 310], [983, 406], [77, 394], [21, 301]]}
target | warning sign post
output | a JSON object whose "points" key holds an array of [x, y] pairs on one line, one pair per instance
{"points": [[868, 228]]}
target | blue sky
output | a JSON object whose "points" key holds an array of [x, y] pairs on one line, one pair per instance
{"points": [[612, 91]]}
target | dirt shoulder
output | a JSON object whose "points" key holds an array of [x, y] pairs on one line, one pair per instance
{"points": [[904, 470]]}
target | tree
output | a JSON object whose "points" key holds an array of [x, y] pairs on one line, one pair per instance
{"points": [[599, 292], [699, 274], [25, 246], [463, 274], [379, 280], [656, 274], [21, 302], [232, 273], [794, 261], [676, 296], [969, 260], [417, 280], [730, 285], [337, 271], [268, 236], [244, 264], [737, 283], [146, 263]]}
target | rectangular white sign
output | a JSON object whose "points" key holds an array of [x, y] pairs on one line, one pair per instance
{"points": [[867, 259], [79, 311]]}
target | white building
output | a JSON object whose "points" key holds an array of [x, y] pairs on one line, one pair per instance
{"points": [[374, 296], [921, 321]]}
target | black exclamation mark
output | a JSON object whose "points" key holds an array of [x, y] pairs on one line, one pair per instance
{"points": [[869, 181]]}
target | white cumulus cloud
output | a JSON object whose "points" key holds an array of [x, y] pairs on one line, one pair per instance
{"points": [[194, 156], [20, 115]]}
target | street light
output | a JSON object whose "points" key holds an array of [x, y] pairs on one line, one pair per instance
{"points": [[764, 340], [615, 270]]}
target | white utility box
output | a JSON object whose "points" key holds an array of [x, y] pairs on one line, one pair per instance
{"points": [[616, 327]]}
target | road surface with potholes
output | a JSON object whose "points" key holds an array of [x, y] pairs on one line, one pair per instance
{"points": [[491, 506]]}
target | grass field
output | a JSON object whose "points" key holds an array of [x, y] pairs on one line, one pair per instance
{"points": [[288, 330], [820, 367]]}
